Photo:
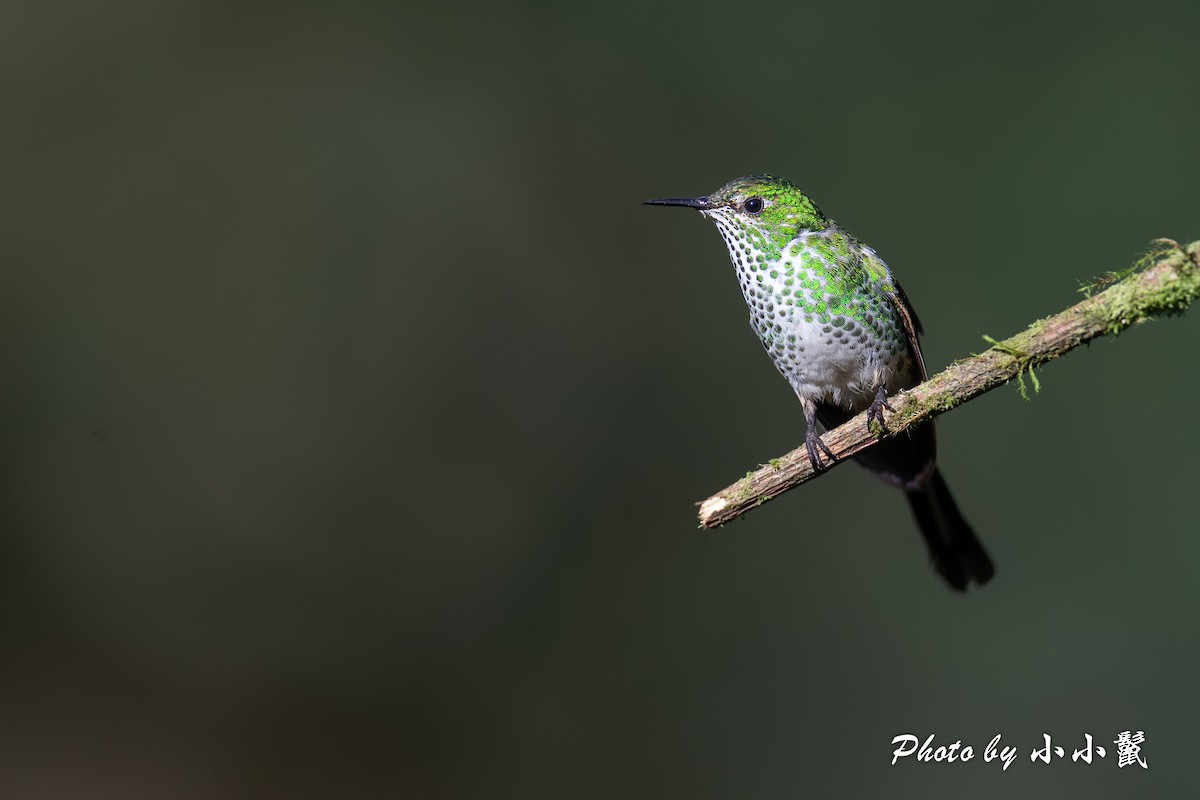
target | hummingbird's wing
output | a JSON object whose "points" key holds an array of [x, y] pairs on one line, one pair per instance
{"points": [[912, 326], [904, 461]]}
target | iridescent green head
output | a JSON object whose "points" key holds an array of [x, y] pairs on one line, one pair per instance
{"points": [[766, 211]]}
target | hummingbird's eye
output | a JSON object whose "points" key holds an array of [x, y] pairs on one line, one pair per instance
{"points": [[754, 205]]}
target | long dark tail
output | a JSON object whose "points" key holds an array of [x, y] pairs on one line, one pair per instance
{"points": [[956, 553], [907, 461]]}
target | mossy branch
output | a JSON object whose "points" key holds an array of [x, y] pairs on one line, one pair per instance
{"points": [[1165, 281]]}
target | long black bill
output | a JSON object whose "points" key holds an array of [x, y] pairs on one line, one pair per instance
{"points": [[690, 202]]}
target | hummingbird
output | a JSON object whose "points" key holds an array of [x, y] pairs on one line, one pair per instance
{"points": [[843, 334]]}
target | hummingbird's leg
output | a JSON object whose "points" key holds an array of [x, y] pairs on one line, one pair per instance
{"points": [[812, 442], [875, 411]]}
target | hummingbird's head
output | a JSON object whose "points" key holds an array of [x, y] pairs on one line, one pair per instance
{"points": [[758, 211]]}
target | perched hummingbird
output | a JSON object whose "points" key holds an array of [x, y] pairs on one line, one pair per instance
{"points": [[840, 330]]}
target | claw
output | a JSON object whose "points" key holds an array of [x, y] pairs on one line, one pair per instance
{"points": [[875, 411], [813, 444]]}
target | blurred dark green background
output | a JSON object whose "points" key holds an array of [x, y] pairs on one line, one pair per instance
{"points": [[354, 408]]}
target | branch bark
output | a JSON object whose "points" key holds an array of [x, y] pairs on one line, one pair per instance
{"points": [[1166, 281]]}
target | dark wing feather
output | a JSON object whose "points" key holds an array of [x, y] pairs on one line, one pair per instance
{"points": [[912, 326]]}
